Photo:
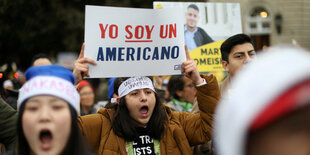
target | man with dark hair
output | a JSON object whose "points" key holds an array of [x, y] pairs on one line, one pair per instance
{"points": [[236, 51], [194, 36], [183, 93], [269, 111], [41, 59]]}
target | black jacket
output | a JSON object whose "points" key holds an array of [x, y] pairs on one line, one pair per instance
{"points": [[12, 98], [201, 37]]}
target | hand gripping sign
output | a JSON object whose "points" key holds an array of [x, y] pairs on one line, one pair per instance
{"points": [[134, 42]]}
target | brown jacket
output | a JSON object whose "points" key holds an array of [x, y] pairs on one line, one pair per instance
{"points": [[182, 129]]}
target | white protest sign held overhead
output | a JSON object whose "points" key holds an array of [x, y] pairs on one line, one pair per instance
{"points": [[134, 42]]}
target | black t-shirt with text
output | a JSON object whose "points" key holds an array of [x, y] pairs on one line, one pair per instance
{"points": [[143, 144]]}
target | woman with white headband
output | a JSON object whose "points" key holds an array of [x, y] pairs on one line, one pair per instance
{"points": [[48, 106], [140, 124]]}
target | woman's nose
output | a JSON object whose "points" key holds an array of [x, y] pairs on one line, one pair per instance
{"points": [[143, 97], [44, 115]]}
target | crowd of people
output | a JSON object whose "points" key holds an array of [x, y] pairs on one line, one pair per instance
{"points": [[260, 108]]}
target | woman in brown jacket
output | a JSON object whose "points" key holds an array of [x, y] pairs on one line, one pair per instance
{"points": [[140, 124]]}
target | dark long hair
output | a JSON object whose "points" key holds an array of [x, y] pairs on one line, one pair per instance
{"points": [[76, 144], [124, 126]]}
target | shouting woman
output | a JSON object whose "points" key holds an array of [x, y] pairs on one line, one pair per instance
{"points": [[48, 110], [140, 124]]}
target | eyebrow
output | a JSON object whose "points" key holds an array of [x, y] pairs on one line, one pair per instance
{"points": [[54, 100], [240, 52]]}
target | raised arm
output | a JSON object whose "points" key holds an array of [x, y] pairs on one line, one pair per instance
{"points": [[80, 68], [198, 127], [189, 67]]}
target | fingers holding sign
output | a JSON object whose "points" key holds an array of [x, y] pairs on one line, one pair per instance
{"points": [[189, 67], [80, 68]]}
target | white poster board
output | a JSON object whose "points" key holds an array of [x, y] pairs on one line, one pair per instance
{"points": [[134, 42], [213, 23]]}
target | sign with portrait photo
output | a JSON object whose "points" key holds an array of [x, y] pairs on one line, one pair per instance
{"points": [[206, 27]]}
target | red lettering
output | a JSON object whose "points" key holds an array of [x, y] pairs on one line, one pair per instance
{"points": [[137, 30], [148, 31], [113, 28], [128, 31], [103, 29], [162, 35], [172, 30]]}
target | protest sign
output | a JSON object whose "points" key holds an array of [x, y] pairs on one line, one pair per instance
{"points": [[207, 26], [208, 57], [134, 42]]}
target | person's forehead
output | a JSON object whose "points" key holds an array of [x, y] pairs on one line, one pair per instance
{"points": [[245, 48], [186, 80], [192, 10], [41, 61], [86, 88]]}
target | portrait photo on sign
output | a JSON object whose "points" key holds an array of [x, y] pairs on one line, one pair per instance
{"points": [[206, 27]]}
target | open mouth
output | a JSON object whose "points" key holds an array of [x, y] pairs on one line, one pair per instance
{"points": [[144, 110], [46, 138]]}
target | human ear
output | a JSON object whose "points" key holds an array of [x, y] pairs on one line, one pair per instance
{"points": [[179, 93], [225, 65]]}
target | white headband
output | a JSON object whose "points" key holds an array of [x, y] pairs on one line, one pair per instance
{"points": [[134, 83], [50, 85]]}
